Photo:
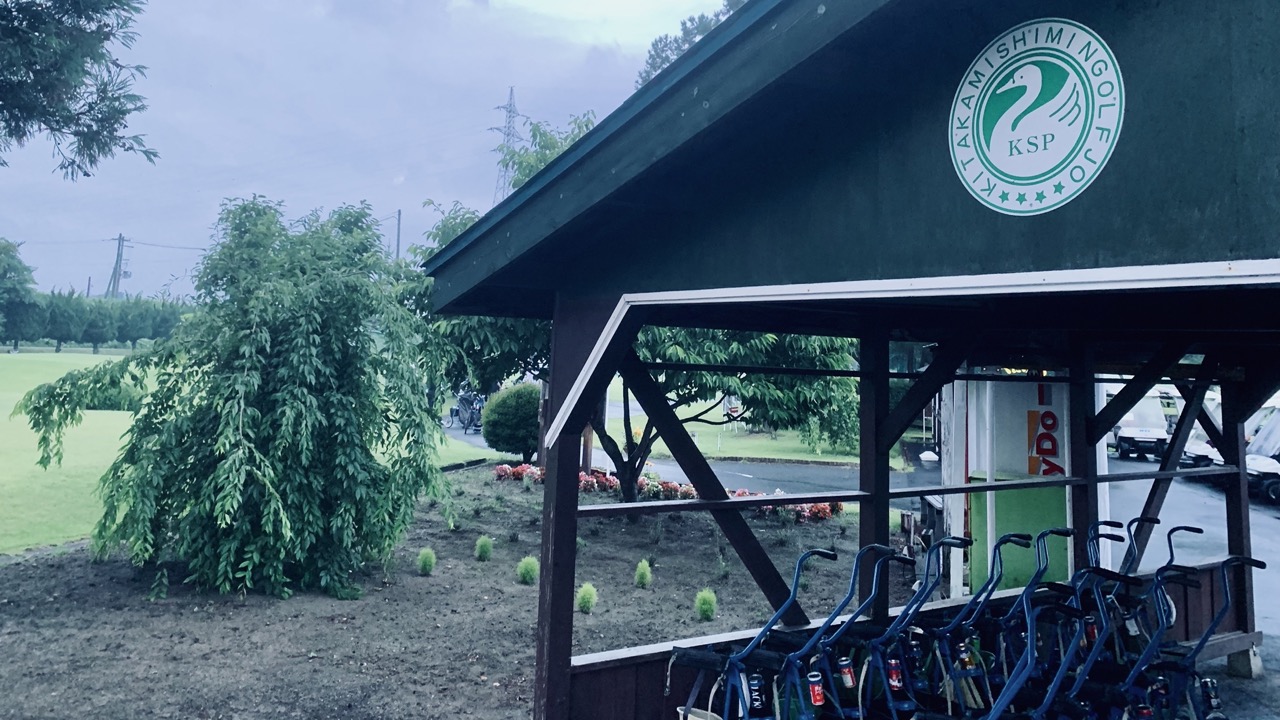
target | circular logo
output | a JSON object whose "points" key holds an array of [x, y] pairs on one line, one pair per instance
{"points": [[1036, 117]]}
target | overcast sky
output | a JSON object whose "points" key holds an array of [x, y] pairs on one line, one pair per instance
{"points": [[318, 103]]}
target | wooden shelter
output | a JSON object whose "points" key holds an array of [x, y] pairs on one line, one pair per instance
{"points": [[809, 167]]}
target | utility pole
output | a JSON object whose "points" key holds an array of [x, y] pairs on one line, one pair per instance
{"points": [[88, 288], [113, 285], [397, 234], [510, 136]]}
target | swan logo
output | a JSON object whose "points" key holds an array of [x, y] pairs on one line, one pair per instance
{"points": [[1036, 117]]}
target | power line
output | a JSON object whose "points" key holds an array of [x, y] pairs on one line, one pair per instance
{"points": [[168, 247]]}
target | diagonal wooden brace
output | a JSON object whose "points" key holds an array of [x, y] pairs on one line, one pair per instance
{"points": [[1194, 396], [709, 487], [941, 371], [1134, 390]]}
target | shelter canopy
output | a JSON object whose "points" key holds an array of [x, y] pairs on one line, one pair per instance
{"points": [[806, 142]]}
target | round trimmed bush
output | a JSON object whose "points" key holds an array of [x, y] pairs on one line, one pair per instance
{"points": [[586, 598], [426, 561], [644, 575], [705, 604], [527, 570], [509, 422], [484, 548]]}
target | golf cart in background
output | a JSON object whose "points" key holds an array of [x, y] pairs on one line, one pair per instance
{"points": [[1262, 452]]}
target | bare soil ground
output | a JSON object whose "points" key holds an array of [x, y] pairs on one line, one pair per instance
{"points": [[80, 639]]}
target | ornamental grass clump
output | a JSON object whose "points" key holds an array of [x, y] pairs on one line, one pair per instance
{"points": [[705, 604], [527, 570], [644, 575], [426, 561], [484, 548], [586, 598]]}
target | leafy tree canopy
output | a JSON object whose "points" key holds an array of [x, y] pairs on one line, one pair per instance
{"points": [[17, 283], [60, 77], [666, 48], [484, 351], [492, 349], [68, 315], [284, 436]]}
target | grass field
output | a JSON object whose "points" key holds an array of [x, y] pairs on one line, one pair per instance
{"points": [[39, 507], [725, 442]]}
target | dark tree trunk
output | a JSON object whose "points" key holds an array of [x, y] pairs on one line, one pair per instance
{"points": [[628, 479], [133, 345], [527, 457], [15, 345], [58, 347], [95, 348]]}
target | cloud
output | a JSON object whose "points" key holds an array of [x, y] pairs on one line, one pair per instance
{"points": [[629, 24], [319, 103]]}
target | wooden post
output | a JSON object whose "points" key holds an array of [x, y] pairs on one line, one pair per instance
{"points": [[1239, 542], [1084, 458], [577, 324], [873, 470]]}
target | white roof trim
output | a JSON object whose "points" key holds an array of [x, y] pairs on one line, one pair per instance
{"points": [[1140, 277]]}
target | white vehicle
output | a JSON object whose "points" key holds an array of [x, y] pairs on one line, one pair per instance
{"points": [[1145, 430], [1261, 432]]}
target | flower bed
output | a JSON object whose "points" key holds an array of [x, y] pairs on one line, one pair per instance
{"points": [[649, 486]]}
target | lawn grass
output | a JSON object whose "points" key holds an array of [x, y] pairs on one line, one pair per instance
{"points": [[45, 507], [39, 507], [456, 451], [725, 442]]}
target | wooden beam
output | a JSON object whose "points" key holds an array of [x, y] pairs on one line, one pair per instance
{"points": [[749, 502], [1135, 390], [1081, 401], [577, 324], [657, 507], [941, 371], [1236, 408], [1207, 421], [873, 469], [686, 453], [1262, 379], [1160, 488]]}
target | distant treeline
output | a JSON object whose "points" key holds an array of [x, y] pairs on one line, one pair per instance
{"points": [[65, 317]]}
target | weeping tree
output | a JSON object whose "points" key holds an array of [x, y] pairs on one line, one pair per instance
{"points": [[284, 434]]}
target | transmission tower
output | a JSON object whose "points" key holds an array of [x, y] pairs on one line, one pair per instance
{"points": [[510, 136]]}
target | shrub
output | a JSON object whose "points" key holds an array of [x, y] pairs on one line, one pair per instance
{"points": [[705, 604], [586, 598], [644, 575], [509, 421], [426, 561], [484, 548], [527, 570], [286, 439]]}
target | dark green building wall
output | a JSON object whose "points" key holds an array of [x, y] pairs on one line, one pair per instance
{"points": [[843, 172]]}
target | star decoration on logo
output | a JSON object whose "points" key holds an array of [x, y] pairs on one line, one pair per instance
{"points": [[1040, 197], [1022, 198], [1057, 189], [1004, 196]]}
